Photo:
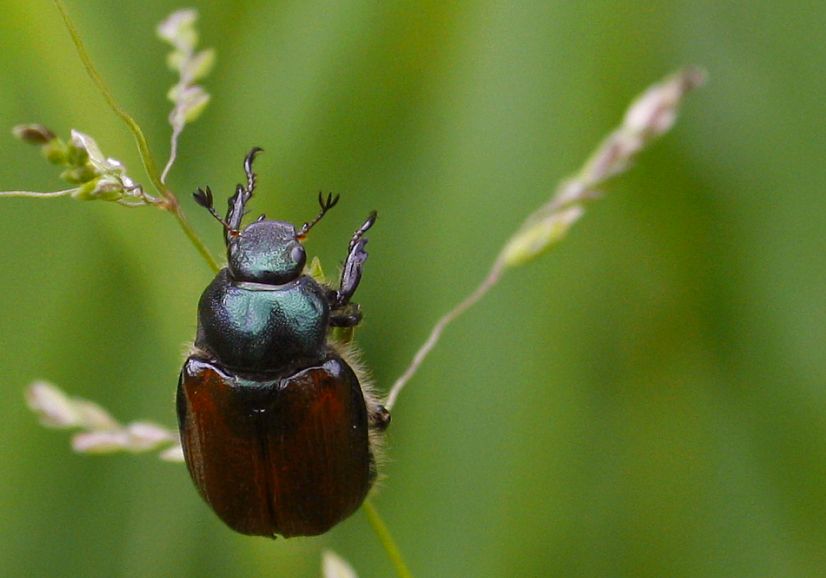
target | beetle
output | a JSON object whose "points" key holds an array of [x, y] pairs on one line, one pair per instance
{"points": [[278, 424]]}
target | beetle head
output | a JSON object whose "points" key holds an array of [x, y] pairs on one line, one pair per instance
{"points": [[266, 252]]}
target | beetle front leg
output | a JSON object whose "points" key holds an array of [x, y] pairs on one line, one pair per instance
{"points": [[351, 272]]}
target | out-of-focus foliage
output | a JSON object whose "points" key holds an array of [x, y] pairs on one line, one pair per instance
{"points": [[649, 399]]}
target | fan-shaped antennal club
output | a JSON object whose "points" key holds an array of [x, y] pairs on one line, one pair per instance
{"points": [[326, 205], [205, 199]]}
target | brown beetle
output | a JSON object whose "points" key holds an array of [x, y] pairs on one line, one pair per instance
{"points": [[279, 430]]}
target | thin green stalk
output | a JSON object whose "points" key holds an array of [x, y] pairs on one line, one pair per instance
{"points": [[195, 239], [140, 139], [170, 201], [386, 539], [38, 195]]}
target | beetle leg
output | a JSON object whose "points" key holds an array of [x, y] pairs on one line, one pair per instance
{"points": [[235, 210], [248, 168], [347, 316], [380, 418], [351, 272], [238, 201]]}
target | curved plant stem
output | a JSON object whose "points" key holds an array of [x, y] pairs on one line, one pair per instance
{"points": [[386, 539], [195, 239], [140, 139], [481, 290], [37, 195], [170, 202], [649, 116]]}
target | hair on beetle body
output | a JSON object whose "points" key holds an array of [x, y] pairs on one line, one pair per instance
{"points": [[378, 416]]}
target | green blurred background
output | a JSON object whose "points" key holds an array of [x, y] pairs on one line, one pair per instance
{"points": [[647, 400]]}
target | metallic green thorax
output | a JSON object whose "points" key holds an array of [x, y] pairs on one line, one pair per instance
{"points": [[263, 328]]}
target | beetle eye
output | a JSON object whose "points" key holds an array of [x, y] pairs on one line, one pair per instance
{"points": [[297, 254]]}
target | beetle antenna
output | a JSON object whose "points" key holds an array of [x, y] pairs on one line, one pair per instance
{"points": [[204, 198], [326, 205]]}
